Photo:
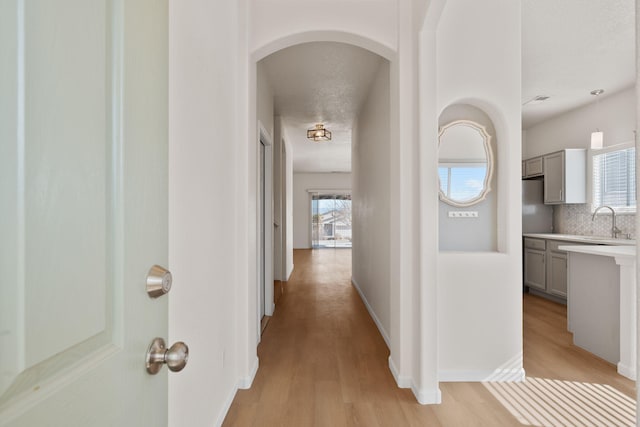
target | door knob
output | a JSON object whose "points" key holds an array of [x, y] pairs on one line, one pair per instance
{"points": [[175, 357]]}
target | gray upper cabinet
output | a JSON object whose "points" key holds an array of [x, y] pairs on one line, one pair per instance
{"points": [[554, 179], [565, 177], [533, 167]]}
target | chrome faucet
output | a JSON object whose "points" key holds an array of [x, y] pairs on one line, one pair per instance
{"points": [[614, 230]]}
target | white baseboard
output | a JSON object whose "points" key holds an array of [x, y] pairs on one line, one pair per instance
{"points": [[424, 397], [498, 375], [384, 333], [245, 382], [627, 371], [226, 407], [402, 381], [427, 397]]}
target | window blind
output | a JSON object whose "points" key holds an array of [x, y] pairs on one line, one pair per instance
{"points": [[614, 179]]}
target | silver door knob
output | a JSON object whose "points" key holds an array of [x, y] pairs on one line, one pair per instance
{"points": [[175, 357]]}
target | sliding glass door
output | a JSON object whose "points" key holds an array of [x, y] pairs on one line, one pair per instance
{"points": [[331, 220]]}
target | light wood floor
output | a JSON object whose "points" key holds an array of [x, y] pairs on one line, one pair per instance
{"points": [[323, 363]]}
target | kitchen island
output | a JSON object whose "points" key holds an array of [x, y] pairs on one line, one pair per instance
{"points": [[601, 302]]}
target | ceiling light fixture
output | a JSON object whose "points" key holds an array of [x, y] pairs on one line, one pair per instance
{"points": [[319, 133], [597, 137]]}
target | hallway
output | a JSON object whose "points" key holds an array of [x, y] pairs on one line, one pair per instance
{"points": [[324, 363]]}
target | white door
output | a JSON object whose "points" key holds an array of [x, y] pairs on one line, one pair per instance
{"points": [[83, 193], [265, 225], [262, 231]]}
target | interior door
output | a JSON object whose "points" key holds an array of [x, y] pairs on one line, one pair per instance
{"points": [[83, 188], [261, 232]]}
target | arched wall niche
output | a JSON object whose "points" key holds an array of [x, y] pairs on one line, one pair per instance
{"points": [[471, 234]]}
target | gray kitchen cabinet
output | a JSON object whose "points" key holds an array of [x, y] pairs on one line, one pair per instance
{"points": [[557, 269], [565, 178], [557, 273], [533, 167], [534, 263], [545, 267]]}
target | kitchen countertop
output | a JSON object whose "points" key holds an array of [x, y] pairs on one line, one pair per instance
{"points": [[604, 250], [597, 240]]}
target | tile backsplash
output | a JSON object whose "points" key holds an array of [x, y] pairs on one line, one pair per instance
{"points": [[576, 219]]}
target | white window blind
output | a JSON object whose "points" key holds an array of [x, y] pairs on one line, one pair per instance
{"points": [[614, 180]]}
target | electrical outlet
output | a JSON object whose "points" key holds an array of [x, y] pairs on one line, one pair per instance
{"points": [[463, 214]]}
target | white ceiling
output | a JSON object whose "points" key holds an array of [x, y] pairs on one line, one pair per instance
{"points": [[569, 48], [326, 83]]}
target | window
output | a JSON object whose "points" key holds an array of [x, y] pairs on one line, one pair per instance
{"points": [[462, 181], [331, 220], [614, 178]]}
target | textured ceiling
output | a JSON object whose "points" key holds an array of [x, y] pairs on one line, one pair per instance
{"points": [[571, 47], [323, 82]]}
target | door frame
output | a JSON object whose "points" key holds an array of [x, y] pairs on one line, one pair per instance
{"points": [[403, 223], [265, 139]]}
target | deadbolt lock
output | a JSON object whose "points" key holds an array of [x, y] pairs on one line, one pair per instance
{"points": [[158, 281]]}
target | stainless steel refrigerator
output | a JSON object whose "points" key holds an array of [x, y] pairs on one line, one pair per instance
{"points": [[536, 216]]}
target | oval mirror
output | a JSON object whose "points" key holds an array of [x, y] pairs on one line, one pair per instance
{"points": [[465, 163]]}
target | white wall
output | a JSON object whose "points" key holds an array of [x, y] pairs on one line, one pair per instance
{"points": [[613, 114], [276, 20], [390, 29], [302, 201], [371, 201], [480, 293], [207, 309], [264, 226], [265, 100], [214, 49], [288, 218], [423, 316], [213, 79]]}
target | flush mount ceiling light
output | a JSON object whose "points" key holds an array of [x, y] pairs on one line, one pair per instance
{"points": [[597, 137], [319, 133]]}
